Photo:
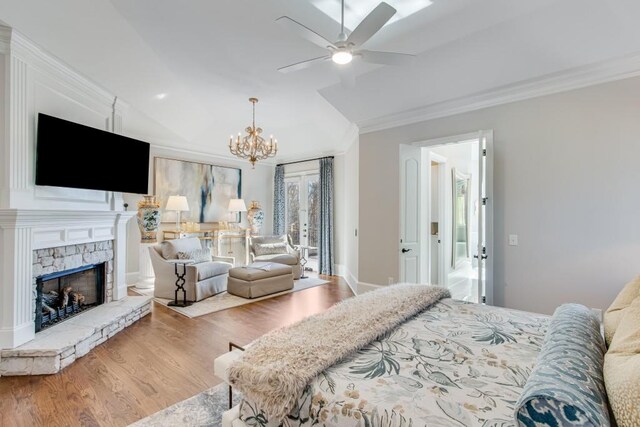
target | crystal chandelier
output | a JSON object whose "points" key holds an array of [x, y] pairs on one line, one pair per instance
{"points": [[253, 146]]}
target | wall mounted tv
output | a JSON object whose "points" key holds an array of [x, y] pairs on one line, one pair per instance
{"points": [[77, 156]]}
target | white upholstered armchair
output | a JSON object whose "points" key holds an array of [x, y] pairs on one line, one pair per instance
{"points": [[203, 279], [275, 249]]}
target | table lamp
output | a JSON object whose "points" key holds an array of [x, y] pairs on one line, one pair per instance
{"points": [[178, 204], [237, 205]]}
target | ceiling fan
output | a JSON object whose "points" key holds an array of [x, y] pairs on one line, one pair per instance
{"points": [[344, 49]]}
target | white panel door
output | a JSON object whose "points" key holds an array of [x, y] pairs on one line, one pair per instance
{"points": [[410, 176]]}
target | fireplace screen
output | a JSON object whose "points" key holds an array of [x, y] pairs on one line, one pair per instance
{"points": [[66, 293]]}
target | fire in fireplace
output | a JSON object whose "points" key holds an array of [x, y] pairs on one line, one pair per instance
{"points": [[64, 294]]}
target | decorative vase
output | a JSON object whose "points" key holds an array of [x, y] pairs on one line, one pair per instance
{"points": [[148, 218], [255, 216]]}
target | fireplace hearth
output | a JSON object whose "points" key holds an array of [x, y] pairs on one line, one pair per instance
{"points": [[63, 294]]}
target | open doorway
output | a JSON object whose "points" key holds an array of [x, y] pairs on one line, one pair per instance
{"points": [[454, 173], [446, 215]]}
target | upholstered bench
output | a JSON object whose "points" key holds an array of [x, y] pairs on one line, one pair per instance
{"points": [[259, 279]]}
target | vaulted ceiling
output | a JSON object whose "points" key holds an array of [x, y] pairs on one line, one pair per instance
{"points": [[208, 57]]}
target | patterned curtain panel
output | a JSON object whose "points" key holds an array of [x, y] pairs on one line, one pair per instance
{"points": [[325, 265], [278, 201]]}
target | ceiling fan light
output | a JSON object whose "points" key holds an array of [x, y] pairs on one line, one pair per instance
{"points": [[342, 57]]}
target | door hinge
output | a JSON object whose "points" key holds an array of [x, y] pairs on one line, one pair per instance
{"points": [[484, 254], [484, 151], [484, 200]]}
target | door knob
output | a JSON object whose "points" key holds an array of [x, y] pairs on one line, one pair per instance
{"points": [[405, 250]]}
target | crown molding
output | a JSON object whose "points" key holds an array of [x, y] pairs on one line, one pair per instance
{"points": [[216, 156], [575, 78], [350, 137], [5, 39]]}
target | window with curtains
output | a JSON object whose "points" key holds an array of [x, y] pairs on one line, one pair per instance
{"points": [[303, 208]]}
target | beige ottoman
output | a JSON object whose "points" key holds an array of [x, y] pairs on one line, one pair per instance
{"points": [[259, 279]]}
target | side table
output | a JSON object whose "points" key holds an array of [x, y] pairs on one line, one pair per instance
{"points": [[304, 253], [180, 281]]}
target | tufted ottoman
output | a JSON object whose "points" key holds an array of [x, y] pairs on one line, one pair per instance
{"points": [[259, 279]]}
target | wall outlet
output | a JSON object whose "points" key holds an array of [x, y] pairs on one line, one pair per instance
{"points": [[391, 280], [513, 240]]}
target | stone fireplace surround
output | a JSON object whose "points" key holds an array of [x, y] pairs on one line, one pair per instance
{"points": [[68, 258], [54, 260], [34, 242]]}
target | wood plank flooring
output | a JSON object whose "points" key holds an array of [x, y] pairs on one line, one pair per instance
{"points": [[158, 361]]}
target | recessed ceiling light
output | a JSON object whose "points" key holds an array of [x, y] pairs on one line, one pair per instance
{"points": [[356, 10], [161, 96]]}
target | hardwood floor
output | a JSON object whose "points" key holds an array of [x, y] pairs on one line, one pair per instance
{"points": [[158, 361]]}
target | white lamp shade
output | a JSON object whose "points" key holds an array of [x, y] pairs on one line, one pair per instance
{"points": [[177, 203], [237, 205]]}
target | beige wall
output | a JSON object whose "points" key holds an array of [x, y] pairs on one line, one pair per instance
{"points": [[566, 180]]}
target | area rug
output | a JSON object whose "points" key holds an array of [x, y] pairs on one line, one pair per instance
{"points": [[204, 409], [225, 300]]}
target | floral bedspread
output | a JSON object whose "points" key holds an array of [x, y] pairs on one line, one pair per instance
{"points": [[456, 364]]}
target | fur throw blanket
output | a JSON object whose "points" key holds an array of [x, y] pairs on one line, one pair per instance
{"points": [[274, 371]]}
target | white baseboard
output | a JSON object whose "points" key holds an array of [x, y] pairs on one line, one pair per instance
{"points": [[352, 281], [366, 287], [132, 278]]}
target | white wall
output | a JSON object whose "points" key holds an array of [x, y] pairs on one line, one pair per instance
{"points": [[36, 82], [39, 82], [257, 184], [565, 180]]}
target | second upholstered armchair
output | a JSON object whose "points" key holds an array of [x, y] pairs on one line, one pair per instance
{"points": [[276, 249]]}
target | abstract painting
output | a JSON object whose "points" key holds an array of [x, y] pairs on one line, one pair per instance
{"points": [[208, 189]]}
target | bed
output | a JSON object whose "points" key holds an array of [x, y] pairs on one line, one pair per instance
{"points": [[454, 363]]}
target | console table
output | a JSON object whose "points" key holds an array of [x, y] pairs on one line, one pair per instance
{"points": [[232, 243]]}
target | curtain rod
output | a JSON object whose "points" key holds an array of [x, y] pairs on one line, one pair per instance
{"points": [[304, 161]]}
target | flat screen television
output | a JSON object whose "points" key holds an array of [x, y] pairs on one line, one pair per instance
{"points": [[76, 156]]}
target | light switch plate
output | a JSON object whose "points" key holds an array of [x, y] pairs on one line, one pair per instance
{"points": [[513, 240]]}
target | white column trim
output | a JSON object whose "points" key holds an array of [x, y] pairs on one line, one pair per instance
{"points": [[16, 284]]}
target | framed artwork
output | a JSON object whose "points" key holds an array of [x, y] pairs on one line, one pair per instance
{"points": [[208, 189]]}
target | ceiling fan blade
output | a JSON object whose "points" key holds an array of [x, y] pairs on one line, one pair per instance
{"points": [[304, 32], [371, 24], [303, 64], [386, 58]]}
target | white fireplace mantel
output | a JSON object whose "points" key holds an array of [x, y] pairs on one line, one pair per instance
{"points": [[22, 231]]}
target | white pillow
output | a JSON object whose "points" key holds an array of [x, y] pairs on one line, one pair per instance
{"points": [[270, 248], [198, 255], [170, 248]]}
